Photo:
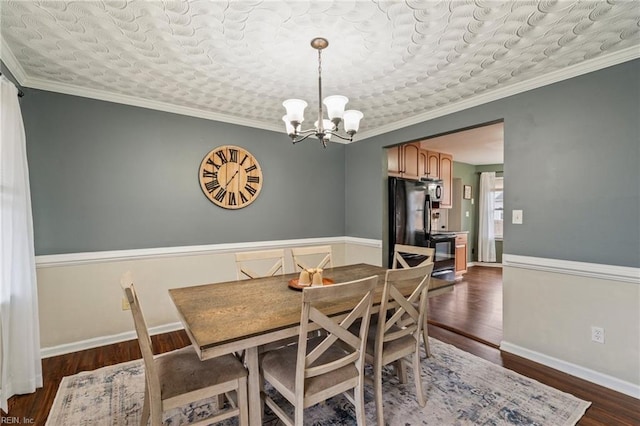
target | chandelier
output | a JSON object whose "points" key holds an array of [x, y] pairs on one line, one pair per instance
{"points": [[323, 129]]}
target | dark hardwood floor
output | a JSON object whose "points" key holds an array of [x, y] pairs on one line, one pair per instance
{"points": [[608, 407], [473, 308]]}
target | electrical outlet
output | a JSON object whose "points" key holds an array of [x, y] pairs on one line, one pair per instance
{"points": [[597, 334], [125, 304]]}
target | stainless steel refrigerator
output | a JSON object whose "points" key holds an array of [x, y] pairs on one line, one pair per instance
{"points": [[410, 206]]}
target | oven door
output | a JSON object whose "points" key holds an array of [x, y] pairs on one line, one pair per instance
{"points": [[445, 257]]}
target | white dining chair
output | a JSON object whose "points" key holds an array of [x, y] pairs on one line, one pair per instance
{"points": [[398, 334], [399, 249], [311, 257], [178, 378], [317, 369], [399, 261], [256, 264]]}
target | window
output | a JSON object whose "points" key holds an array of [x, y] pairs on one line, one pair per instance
{"points": [[498, 207]]}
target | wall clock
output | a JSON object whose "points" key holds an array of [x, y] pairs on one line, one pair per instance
{"points": [[230, 177]]}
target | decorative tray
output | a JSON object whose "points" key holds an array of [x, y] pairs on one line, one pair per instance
{"points": [[294, 283]]}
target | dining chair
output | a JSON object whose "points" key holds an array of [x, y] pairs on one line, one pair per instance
{"points": [[429, 253], [178, 378], [263, 259], [303, 255], [398, 335], [327, 365], [399, 249]]}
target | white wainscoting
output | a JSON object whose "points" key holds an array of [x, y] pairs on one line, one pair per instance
{"points": [[550, 306], [80, 297]]}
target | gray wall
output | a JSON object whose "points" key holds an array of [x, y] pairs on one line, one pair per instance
{"points": [[467, 174], [572, 156], [106, 176]]}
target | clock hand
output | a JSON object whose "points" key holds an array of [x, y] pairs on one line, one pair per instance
{"points": [[231, 178]]}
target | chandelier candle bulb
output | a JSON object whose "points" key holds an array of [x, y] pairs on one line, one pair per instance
{"points": [[295, 110], [291, 131], [352, 121], [335, 106]]}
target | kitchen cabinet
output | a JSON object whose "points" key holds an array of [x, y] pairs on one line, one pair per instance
{"points": [[409, 161], [440, 166], [404, 161], [461, 255], [446, 174], [433, 164]]}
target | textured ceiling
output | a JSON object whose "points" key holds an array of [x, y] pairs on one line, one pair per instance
{"points": [[237, 61]]}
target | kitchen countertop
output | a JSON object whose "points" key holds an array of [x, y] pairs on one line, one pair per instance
{"points": [[450, 231]]}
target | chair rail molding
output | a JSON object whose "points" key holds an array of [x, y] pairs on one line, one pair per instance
{"points": [[70, 259], [584, 269]]}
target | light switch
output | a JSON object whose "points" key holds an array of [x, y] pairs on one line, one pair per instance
{"points": [[516, 217], [466, 214]]}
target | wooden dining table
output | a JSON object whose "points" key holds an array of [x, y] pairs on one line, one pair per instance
{"points": [[228, 317]]}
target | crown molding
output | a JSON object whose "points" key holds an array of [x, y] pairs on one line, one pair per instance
{"points": [[70, 89], [595, 64], [12, 64]]}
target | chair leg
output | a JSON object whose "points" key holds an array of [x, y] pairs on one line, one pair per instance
{"points": [[425, 336], [417, 376], [243, 402], [377, 385], [156, 413], [220, 401], [401, 371], [298, 415], [358, 399], [144, 420]]}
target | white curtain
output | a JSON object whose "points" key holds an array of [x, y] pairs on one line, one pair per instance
{"points": [[21, 368], [486, 233]]}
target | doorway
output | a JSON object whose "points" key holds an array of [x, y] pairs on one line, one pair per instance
{"points": [[474, 307]]}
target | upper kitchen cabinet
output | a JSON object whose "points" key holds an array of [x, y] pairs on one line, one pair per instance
{"points": [[440, 166], [433, 164], [404, 161], [409, 161], [446, 174]]}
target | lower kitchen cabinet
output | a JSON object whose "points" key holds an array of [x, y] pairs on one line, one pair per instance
{"points": [[461, 255]]}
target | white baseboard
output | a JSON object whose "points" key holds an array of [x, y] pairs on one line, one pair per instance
{"points": [[485, 264], [105, 340], [592, 376]]}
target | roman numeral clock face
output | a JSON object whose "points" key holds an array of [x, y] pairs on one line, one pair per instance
{"points": [[230, 177]]}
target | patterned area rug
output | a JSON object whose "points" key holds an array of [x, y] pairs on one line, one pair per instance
{"points": [[461, 389]]}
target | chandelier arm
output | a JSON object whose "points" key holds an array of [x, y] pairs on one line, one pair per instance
{"points": [[350, 138], [305, 132], [295, 141]]}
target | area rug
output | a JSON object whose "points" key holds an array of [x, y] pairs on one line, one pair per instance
{"points": [[461, 389]]}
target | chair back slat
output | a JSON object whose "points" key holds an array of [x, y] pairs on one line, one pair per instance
{"points": [[361, 291], [259, 259], [406, 318], [303, 255], [398, 249]]}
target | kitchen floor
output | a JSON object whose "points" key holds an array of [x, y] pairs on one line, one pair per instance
{"points": [[473, 308]]}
